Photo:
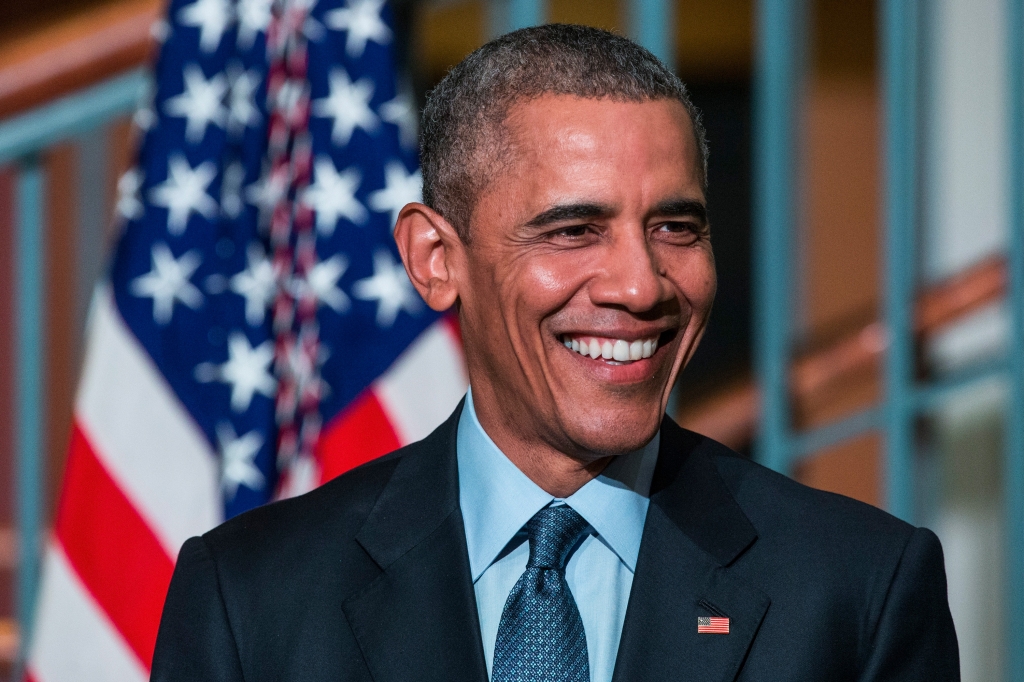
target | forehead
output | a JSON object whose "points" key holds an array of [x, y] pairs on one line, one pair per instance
{"points": [[633, 152], [553, 113]]}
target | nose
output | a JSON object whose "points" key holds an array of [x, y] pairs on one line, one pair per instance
{"points": [[630, 275]]}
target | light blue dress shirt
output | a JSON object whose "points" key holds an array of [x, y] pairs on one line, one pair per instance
{"points": [[497, 500]]}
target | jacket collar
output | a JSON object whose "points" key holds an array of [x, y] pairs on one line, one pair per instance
{"points": [[694, 531], [689, 490], [417, 620]]}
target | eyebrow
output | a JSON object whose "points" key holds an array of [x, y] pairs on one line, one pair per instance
{"points": [[564, 212], [682, 207], [589, 211]]}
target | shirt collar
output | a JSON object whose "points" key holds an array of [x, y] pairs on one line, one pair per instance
{"points": [[497, 499]]}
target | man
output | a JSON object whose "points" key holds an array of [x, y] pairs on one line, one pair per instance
{"points": [[558, 526]]}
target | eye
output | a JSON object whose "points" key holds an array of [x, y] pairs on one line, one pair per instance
{"points": [[680, 231], [572, 231], [677, 226]]}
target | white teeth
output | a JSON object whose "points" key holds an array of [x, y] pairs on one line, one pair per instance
{"points": [[617, 350]]}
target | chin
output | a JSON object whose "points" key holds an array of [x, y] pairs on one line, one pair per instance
{"points": [[614, 431]]}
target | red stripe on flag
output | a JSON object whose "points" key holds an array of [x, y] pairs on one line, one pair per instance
{"points": [[360, 433], [451, 323], [113, 550]]}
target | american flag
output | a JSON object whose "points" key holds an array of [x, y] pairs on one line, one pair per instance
{"points": [[712, 625], [257, 334]]}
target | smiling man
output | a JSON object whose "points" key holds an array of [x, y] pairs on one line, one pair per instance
{"points": [[558, 526]]}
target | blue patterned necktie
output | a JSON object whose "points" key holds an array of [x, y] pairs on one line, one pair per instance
{"points": [[540, 636]]}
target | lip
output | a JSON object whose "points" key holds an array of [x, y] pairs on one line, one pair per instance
{"points": [[631, 333]]}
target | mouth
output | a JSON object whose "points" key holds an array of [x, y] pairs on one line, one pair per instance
{"points": [[611, 350]]}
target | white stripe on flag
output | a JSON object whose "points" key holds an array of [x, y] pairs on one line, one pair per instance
{"points": [[424, 384], [144, 436], [66, 614]]}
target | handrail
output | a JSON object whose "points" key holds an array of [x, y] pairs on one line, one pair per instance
{"points": [[75, 52], [8, 626], [54, 64], [8, 640], [731, 414], [8, 548]]}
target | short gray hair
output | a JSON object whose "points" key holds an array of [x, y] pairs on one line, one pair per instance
{"points": [[461, 144]]}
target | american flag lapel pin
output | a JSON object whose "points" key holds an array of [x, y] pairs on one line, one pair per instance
{"points": [[712, 625]]}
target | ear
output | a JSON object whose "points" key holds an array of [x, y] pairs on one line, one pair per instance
{"points": [[430, 249]]}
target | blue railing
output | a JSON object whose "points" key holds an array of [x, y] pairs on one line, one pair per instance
{"points": [[779, 445], [22, 141], [1014, 469]]}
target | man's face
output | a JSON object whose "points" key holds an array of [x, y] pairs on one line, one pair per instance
{"points": [[588, 277]]}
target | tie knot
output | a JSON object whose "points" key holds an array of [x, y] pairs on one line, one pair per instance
{"points": [[553, 532]]}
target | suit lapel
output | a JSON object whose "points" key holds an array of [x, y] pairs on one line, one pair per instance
{"points": [[418, 619], [693, 532]]}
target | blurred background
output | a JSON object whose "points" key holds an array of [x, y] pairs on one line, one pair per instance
{"points": [[867, 329]]}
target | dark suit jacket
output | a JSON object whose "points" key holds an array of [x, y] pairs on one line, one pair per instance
{"points": [[367, 578]]}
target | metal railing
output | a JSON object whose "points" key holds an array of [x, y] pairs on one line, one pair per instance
{"points": [[21, 140], [64, 84], [779, 445], [1014, 466]]}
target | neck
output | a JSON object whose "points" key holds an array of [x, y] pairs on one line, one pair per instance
{"points": [[555, 472]]}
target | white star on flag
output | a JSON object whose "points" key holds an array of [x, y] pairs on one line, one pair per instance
{"points": [[400, 188], [211, 17], [348, 104], [361, 18], [242, 108], [184, 192], [390, 287], [401, 111], [322, 280], [200, 103], [168, 282], [247, 370], [129, 200], [238, 455], [253, 19], [257, 284], [333, 196]]}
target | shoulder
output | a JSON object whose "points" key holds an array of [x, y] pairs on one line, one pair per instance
{"points": [[308, 535], [780, 507], [313, 538], [873, 585], [338, 507], [817, 547]]}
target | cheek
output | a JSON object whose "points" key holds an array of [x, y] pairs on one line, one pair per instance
{"points": [[695, 277], [543, 283]]}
